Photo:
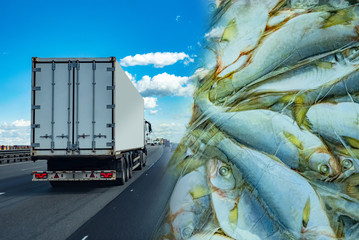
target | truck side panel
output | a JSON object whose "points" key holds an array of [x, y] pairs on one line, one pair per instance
{"points": [[129, 113]]}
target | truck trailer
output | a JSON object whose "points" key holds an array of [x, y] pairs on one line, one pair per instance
{"points": [[87, 121]]}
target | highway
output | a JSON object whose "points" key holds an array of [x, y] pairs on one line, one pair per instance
{"points": [[34, 210]]}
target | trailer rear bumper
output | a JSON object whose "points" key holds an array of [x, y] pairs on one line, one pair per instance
{"points": [[100, 175]]}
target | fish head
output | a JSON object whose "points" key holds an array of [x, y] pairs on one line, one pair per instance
{"points": [[351, 55], [324, 163], [183, 225], [221, 175], [348, 166]]}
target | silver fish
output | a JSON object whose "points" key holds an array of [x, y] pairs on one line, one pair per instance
{"points": [[189, 204], [288, 195], [274, 134], [311, 34], [334, 121], [239, 213]]}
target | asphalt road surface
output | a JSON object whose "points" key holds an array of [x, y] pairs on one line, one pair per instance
{"points": [[136, 212], [35, 210]]}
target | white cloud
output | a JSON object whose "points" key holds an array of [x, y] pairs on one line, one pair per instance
{"points": [[165, 84], [158, 59], [178, 18], [215, 33], [131, 77], [172, 131], [15, 133], [153, 112], [150, 102], [21, 123]]}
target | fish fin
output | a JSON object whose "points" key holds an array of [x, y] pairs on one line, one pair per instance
{"points": [[294, 98], [199, 191], [341, 17], [306, 213], [340, 228], [300, 108], [230, 31], [293, 139], [189, 164], [342, 150], [352, 186], [233, 215], [307, 124], [299, 113], [324, 64], [352, 141]]}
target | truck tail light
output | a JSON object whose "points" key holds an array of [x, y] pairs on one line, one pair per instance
{"points": [[41, 175], [106, 175]]}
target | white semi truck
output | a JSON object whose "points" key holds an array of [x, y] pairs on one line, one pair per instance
{"points": [[87, 120]]}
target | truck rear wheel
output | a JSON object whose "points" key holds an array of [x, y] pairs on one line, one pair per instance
{"points": [[141, 160], [144, 159], [121, 169], [130, 166], [127, 168]]}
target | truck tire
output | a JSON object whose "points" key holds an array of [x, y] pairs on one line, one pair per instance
{"points": [[127, 167], [130, 166], [144, 160], [121, 169], [141, 160]]}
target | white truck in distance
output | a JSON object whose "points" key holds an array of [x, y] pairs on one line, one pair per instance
{"points": [[87, 120]]}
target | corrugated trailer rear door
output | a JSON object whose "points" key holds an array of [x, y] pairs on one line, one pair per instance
{"points": [[52, 91], [93, 105]]}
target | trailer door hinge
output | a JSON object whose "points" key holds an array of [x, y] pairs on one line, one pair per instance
{"points": [[36, 69], [110, 125], [35, 125], [35, 107], [36, 88], [110, 87], [35, 144], [110, 106], [110, 144], [111, 69]]}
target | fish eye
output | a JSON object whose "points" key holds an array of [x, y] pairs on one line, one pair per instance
{"points": [[347, 164], [324, 169], [224, 171], [186, 232]]}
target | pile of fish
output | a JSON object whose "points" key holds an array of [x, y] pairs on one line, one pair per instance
{"points": [[272, 148]]}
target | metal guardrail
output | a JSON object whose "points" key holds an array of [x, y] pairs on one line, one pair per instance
{"points": [[12, 156]]}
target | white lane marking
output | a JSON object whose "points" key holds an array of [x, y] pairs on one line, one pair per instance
{"points": [[29, 168], [2, 193], [85, 237], [12, 164]]}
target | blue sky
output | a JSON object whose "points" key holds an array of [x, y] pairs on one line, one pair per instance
{"points": [[101, 29]]}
